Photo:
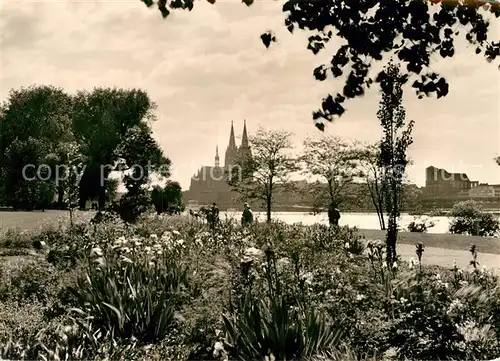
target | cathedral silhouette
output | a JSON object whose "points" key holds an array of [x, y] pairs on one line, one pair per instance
{"points": [[210, 183]]}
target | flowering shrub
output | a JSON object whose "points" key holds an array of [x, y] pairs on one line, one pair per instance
{"points": [[469, 218], [420, 224]]}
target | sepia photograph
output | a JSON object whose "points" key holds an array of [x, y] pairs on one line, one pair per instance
{"points": [[253, 180]]}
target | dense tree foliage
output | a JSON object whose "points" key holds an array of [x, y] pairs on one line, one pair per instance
{"points": [[102, 120], [468, 217], [35, 124], [78, 140], [167, 199], [413, 31]]}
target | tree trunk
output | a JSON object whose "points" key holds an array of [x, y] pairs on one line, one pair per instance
{"points": [[82, 196], [330, 191], [60, 195], [381, 214], [392, 235], [376, 196], [378, 204], [268, 209], [102, 197], [380, 200], [392, 230]]}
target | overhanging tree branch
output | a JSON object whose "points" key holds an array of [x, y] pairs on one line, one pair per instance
{"points": [[411, 30]]}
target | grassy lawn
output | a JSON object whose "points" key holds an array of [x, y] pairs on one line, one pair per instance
{"points": [[30, 220], [445, 257], [447, 241], [35, 219]]}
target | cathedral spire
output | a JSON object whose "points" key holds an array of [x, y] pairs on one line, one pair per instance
{"points": [[232, 150], [217, 163], [244, 152], [244, 138], [232, 142]]}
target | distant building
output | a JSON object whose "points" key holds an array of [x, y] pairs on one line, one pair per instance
{"points": [[440, 183], [443, 189], [482, 191], [210, 183], [496, 187]]}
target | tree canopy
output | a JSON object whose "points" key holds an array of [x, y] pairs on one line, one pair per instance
{"points": [[47, 130], [372, 30], [35, 123], [167, 199], [330, 158], [257, 177]]}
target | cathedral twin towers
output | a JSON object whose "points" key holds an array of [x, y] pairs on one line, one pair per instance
{"points": [[210, 184], [234, 153]]}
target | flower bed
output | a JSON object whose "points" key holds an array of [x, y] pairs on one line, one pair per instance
{"points": [[169, 288]]}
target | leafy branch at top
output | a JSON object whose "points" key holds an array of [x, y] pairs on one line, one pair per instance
{"points": [[373, 30]]}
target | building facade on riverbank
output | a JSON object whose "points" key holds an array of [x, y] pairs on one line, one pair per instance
{"points": [[443, 189], [441, 183]]}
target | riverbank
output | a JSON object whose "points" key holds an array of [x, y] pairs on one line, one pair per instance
{"points": [[369, 221], [432, 212]]}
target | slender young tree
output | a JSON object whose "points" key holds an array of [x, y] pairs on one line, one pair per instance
{"points": [[271, 164], [76, 164], [369, 169], [393, 160], [331, 159]]}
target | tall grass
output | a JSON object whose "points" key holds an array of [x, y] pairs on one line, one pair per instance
{"points": [[132, 299], [273, 326]]}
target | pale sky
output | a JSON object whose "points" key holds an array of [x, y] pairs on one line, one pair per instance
{"points": [[208, 67]]}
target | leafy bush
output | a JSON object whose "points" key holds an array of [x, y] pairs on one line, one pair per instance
{"points": [[15, 239], [19, 325], [70, 247], [420, 224], [132, 206], [32, 281], [128, 295], [167, 199], [469, 218], [423, 329]]}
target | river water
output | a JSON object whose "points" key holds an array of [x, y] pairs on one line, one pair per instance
{"points": [[360, 220]]}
